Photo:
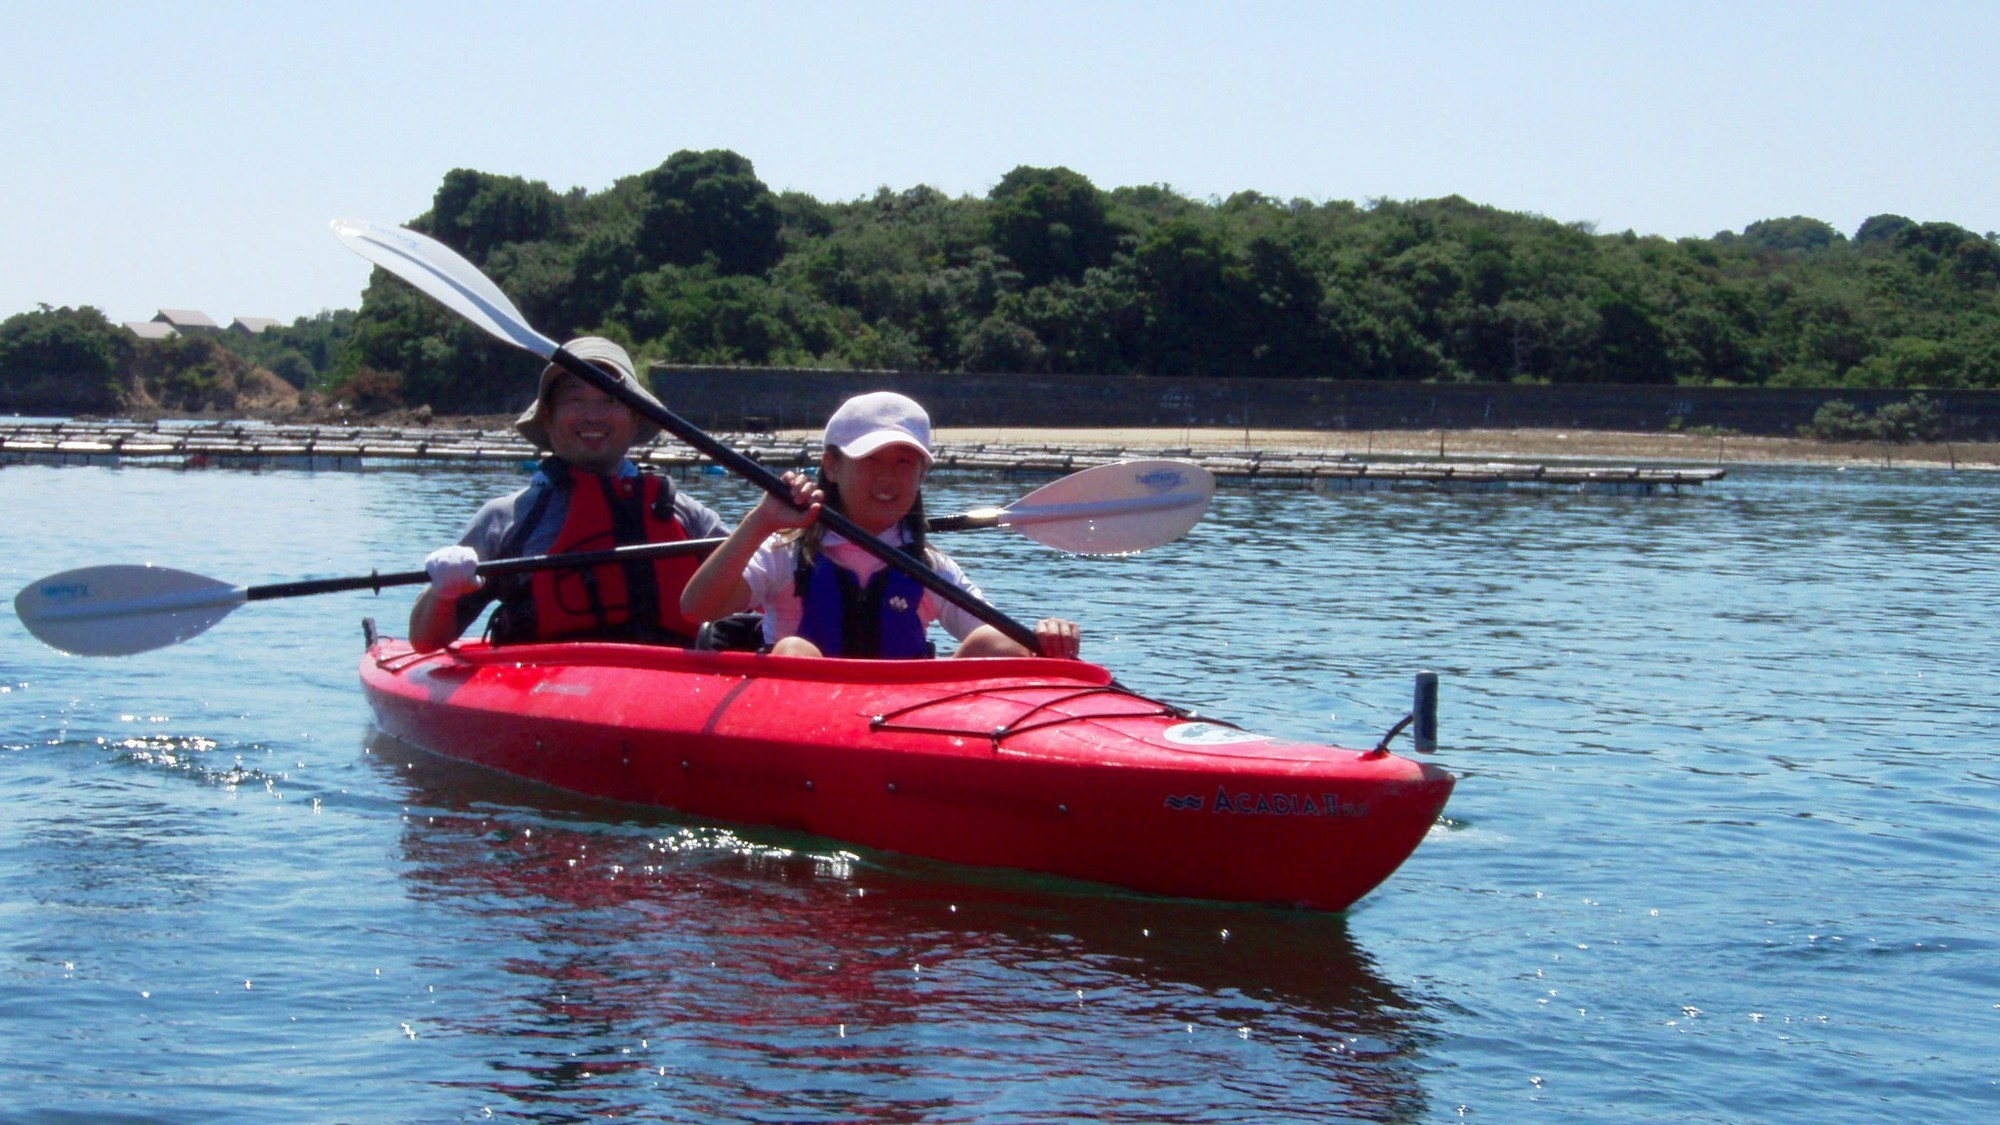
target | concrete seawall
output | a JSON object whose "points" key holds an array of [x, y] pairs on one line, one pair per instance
{"points": [[745, 398]]}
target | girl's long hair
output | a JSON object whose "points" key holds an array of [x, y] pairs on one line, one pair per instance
{"points": [[914, 523]]}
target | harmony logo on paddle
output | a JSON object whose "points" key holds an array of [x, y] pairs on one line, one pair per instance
{"points": [[1161, 480], [66, 592]]}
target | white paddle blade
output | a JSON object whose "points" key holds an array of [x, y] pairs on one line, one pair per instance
{"points": [[439, 271], [1115, 509], [120, 610]]}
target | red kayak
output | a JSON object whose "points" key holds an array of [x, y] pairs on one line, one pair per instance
{"points": [[1045, 765]]}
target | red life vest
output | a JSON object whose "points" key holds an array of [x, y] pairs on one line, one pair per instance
{"points": [[638, 601]]}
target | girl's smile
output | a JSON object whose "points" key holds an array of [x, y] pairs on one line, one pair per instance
{"points": [[878, 490]]}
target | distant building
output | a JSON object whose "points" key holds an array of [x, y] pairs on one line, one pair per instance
{"points": [[187, 320], [151, 329], [251, 325]]}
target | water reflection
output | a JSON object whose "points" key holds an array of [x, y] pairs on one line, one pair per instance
{"points": [[644, 958]]}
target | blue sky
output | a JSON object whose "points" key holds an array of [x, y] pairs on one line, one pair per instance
{"points": [[190, 155]]}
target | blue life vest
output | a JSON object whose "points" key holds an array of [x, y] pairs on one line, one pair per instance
{"points": [[877, 621]]}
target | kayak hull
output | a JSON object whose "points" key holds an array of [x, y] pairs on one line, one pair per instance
{"points": [[1035, 764]]}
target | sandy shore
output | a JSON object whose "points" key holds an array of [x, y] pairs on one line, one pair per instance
{"points": [[1529, 445]]}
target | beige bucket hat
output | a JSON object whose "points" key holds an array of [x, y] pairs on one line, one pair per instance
{"points": [[533, 423]]}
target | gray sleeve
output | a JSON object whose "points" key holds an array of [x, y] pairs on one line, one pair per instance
{"points": [[488, 530], [490, 526], [699, 522]]}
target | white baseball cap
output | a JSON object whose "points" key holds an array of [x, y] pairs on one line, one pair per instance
{"points": [[866, 423], [598, 352]]}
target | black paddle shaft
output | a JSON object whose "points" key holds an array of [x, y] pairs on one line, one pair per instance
{"points": [[772, 483], [638, 552]]}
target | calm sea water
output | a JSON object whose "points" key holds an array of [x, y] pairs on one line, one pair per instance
{"points": [[1723, 848]]}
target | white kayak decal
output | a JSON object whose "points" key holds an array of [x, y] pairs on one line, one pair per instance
{"points": [[1209, 734], [545, 687]]}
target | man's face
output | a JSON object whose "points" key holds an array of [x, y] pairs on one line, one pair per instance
{"points": [[588, 428]]}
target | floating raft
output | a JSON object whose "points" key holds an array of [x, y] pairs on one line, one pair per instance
{"points": [[261, 445]]}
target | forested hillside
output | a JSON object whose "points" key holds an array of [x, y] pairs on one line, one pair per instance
{"points": [[698, 261]]}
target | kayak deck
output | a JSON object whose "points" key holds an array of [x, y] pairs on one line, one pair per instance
{"points": [[1038, 764]]}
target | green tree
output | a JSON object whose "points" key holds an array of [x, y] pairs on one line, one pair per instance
{"points": [[1051, 223], [1630, 344], [1194, 290], [302, 353], [1878, 230], [999, 344], [601, 259], [1797, 234], [1839, 420], [477, 213], [293, 367], [541, 279], [443, 361], [1909, 361], [1092, 327], [703, 206], [1914, 419], [1281, 314], [695, 316], [1936, 241], [61, 360]]}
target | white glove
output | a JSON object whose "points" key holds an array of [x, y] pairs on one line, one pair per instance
{"points": [[454, 571]]}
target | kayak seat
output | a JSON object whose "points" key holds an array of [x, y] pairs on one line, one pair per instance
{"points": [[739, 632]]}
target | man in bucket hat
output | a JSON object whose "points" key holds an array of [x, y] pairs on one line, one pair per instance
{"points": [[587, 495]]}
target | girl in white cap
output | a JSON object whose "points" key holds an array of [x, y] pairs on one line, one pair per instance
{"points": [[823, 596]]}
